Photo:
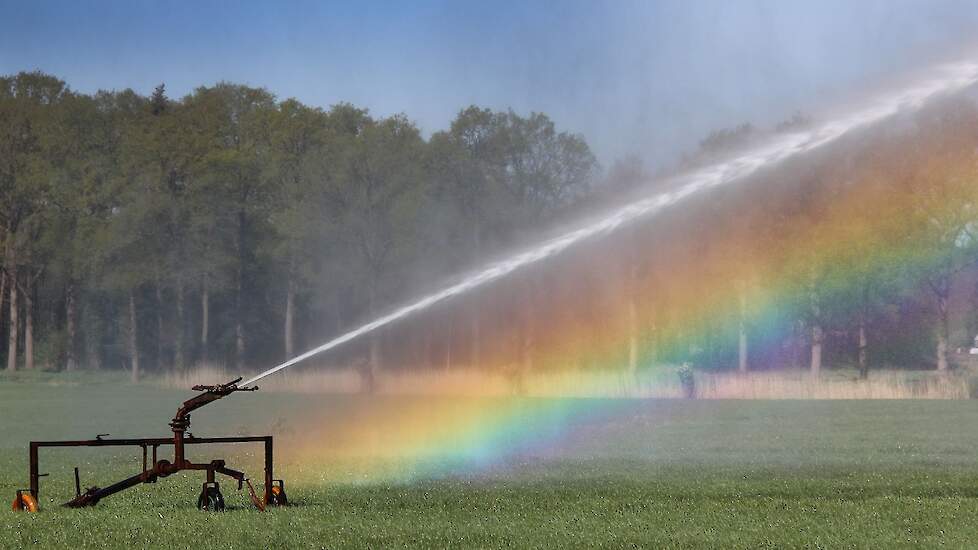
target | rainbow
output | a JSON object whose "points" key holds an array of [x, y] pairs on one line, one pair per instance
{"points": [[406, 438], [827, 237]]}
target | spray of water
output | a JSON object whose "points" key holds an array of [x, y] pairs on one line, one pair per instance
{"points": [[947, 79]]}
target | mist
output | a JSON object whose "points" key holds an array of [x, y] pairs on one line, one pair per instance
{"points": [[511, 274]]}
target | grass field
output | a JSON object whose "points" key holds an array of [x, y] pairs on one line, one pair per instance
{"points": [[655, 473]]}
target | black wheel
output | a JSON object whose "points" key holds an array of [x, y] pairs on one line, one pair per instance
{"points": [[278, 497], [211, 499]]}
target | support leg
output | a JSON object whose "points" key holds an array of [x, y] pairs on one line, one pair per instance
{"points": [[95, 494], [35, 477], [269, 474]]}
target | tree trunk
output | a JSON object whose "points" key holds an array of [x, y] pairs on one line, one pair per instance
{"points": [[525, 365], [632, 335], [93, 352], [3, 295], [29, 323], [942, 332], [798, 339], [375, 353], [526, 348], [3, 272], [3, 292], [651, 317], [447, 359], [816, 311], [863, 355], [71, 326], [476, 320], [449, 334], [429, 337], [13, 335], [375, 335], [338, 314], [476, 328], [290, 319], [160, 360], [528, 337], [372, 366], [742, 363], [204, 321], [863, 352], [239, 336], [817, 337], [180, 353], [630, 274], [133, 331]]}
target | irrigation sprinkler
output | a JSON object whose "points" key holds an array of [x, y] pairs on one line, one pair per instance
{"points": [[950, 78], [154, 468]]}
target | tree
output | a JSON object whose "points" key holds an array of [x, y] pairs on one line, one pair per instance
{"points": [[298, 134], [124, 258], [860, 280], [468, 164], [27, 105], [940, 176], [380, 189], [235, 123]]}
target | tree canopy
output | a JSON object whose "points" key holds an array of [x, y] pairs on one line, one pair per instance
{"points": [[234, 228]]}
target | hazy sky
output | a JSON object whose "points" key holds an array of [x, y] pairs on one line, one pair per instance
{"points": [[646, 78]]}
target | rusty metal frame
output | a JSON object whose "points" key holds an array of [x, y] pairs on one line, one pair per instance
{"points": [[161, 468]]}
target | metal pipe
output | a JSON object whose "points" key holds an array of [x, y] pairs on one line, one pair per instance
{"points": [[147, 441], [268, 468], [35, 478]]}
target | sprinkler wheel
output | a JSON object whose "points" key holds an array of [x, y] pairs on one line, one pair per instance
{"points": [[211, 499], [278, 497], [24, 501]]}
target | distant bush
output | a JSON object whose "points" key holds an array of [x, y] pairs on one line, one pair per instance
{"points": [[51, 350]]}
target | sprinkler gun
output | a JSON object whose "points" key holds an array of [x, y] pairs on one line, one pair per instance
{"points": [[210, 496]]}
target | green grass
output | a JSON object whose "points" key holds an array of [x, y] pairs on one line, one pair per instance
{"points": [[661, 473]]}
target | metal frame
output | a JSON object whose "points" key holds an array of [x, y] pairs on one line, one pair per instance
{"points": [[160, 468]]}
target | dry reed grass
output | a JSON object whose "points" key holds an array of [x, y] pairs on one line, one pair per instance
{"points": [[659, 383], [801, 385]]}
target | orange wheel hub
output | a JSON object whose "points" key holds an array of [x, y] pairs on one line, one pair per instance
{"points": [[25, 502]]}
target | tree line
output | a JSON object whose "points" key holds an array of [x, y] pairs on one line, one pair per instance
{"points": [[863, 254], [230, 227]]}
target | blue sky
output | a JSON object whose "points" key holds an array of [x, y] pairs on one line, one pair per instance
{"points": [[641, 78]]}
